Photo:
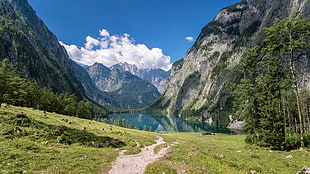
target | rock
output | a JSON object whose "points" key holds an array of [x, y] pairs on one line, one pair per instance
{"points": [[95, 144], [289, 156], [17, 130], [304, 170], [64, 120], [206, 133]]}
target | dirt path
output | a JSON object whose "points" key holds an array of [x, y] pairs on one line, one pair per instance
{"points": [[136, 164]]}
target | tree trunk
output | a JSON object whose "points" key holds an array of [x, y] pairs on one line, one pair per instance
{"points": [[296, 91]]}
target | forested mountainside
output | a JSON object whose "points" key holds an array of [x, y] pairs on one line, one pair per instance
{"points": [[200, 84], [25, 40], [28, 43]]}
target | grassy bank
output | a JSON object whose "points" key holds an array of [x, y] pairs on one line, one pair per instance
{"points": [[53, 143], [33, 141]]}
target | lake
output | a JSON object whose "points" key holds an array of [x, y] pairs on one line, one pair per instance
{"points": [[162, 124]]}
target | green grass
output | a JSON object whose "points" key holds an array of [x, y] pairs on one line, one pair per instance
{"points": [[38, 149], [53, 143], [223, 153]]}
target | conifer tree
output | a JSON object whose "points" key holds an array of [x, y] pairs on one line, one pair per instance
{"points": [[290, 39], [245, 94]]}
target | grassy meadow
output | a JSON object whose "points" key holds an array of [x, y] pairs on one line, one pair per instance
{"points": [[33, 141]]}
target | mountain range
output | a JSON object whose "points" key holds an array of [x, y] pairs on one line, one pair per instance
{"points": [[27, 42], [157, 76], [127, 90], [200, 84]]}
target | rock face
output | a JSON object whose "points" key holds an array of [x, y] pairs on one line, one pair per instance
{"points": [[157, 77], [25, 40], [199, 84], [124, 89]]}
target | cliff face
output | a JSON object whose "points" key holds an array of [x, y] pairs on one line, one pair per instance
{"points": [[118, 88], [157, 77], [25, 40], [199, 84]]}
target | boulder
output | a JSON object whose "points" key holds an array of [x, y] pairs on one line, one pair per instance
{"points": [[95, 144], [304, 170]]}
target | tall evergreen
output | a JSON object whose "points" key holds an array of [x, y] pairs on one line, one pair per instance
{"points": [[290, 38], [245, 93], [269, 76]]}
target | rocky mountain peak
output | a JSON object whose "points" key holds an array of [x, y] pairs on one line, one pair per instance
{"points": [[199, 83], [157, 77]]}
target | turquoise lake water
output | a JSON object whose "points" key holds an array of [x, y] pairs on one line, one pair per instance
{"points": [[158, 123]]}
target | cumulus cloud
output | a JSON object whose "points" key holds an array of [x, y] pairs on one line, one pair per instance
{"points": [[190, 39], [112, 49]]}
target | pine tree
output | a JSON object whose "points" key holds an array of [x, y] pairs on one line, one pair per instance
{"points": [[245, 94], [263, 98], [290, 38], [269, 98]]}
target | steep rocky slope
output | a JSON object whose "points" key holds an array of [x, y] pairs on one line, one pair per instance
{"points": [[200, 83], [157, 77], [121, 88], [25, 40]]}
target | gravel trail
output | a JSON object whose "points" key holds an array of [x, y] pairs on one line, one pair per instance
{"points": [[136, 164]]}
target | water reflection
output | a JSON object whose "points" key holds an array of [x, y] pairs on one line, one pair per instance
{"points": [[159, 123]]}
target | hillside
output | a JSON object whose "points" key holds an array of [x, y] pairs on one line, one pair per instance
{"points": [[35, 141], [201, 83], [26, 41]]}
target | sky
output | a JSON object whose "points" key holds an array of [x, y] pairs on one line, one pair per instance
{"points": [[148, 33]]}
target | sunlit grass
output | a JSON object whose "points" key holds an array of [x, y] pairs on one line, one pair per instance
{"points": [[38, 150], [223, 153]]}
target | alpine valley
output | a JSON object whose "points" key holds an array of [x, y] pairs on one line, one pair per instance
{"points": [[250, 66], [198, 85], [26, 41]]}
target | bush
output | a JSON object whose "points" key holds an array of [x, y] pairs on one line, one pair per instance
{"points": [[293, 142], [21, 120]]}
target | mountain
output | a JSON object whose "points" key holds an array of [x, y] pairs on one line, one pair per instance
{"points": [[26, 41], [157, 76], [200, 84], [119, 89]]}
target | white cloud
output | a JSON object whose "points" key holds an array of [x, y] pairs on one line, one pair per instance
{"points": [[190, 39], [104, 33], [110, 50]]}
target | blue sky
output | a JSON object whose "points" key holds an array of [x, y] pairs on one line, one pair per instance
{"points": [[157, 29]]}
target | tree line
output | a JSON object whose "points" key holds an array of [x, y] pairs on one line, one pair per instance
{"points": [[272, 97], [19, 91]]}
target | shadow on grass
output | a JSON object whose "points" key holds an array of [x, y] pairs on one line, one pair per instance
{"points": [[55, 134]]}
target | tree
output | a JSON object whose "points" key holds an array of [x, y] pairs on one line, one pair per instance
{"points": [[290, 39], [269, 76], [245, 93], [83, 109], [269, 84]]}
